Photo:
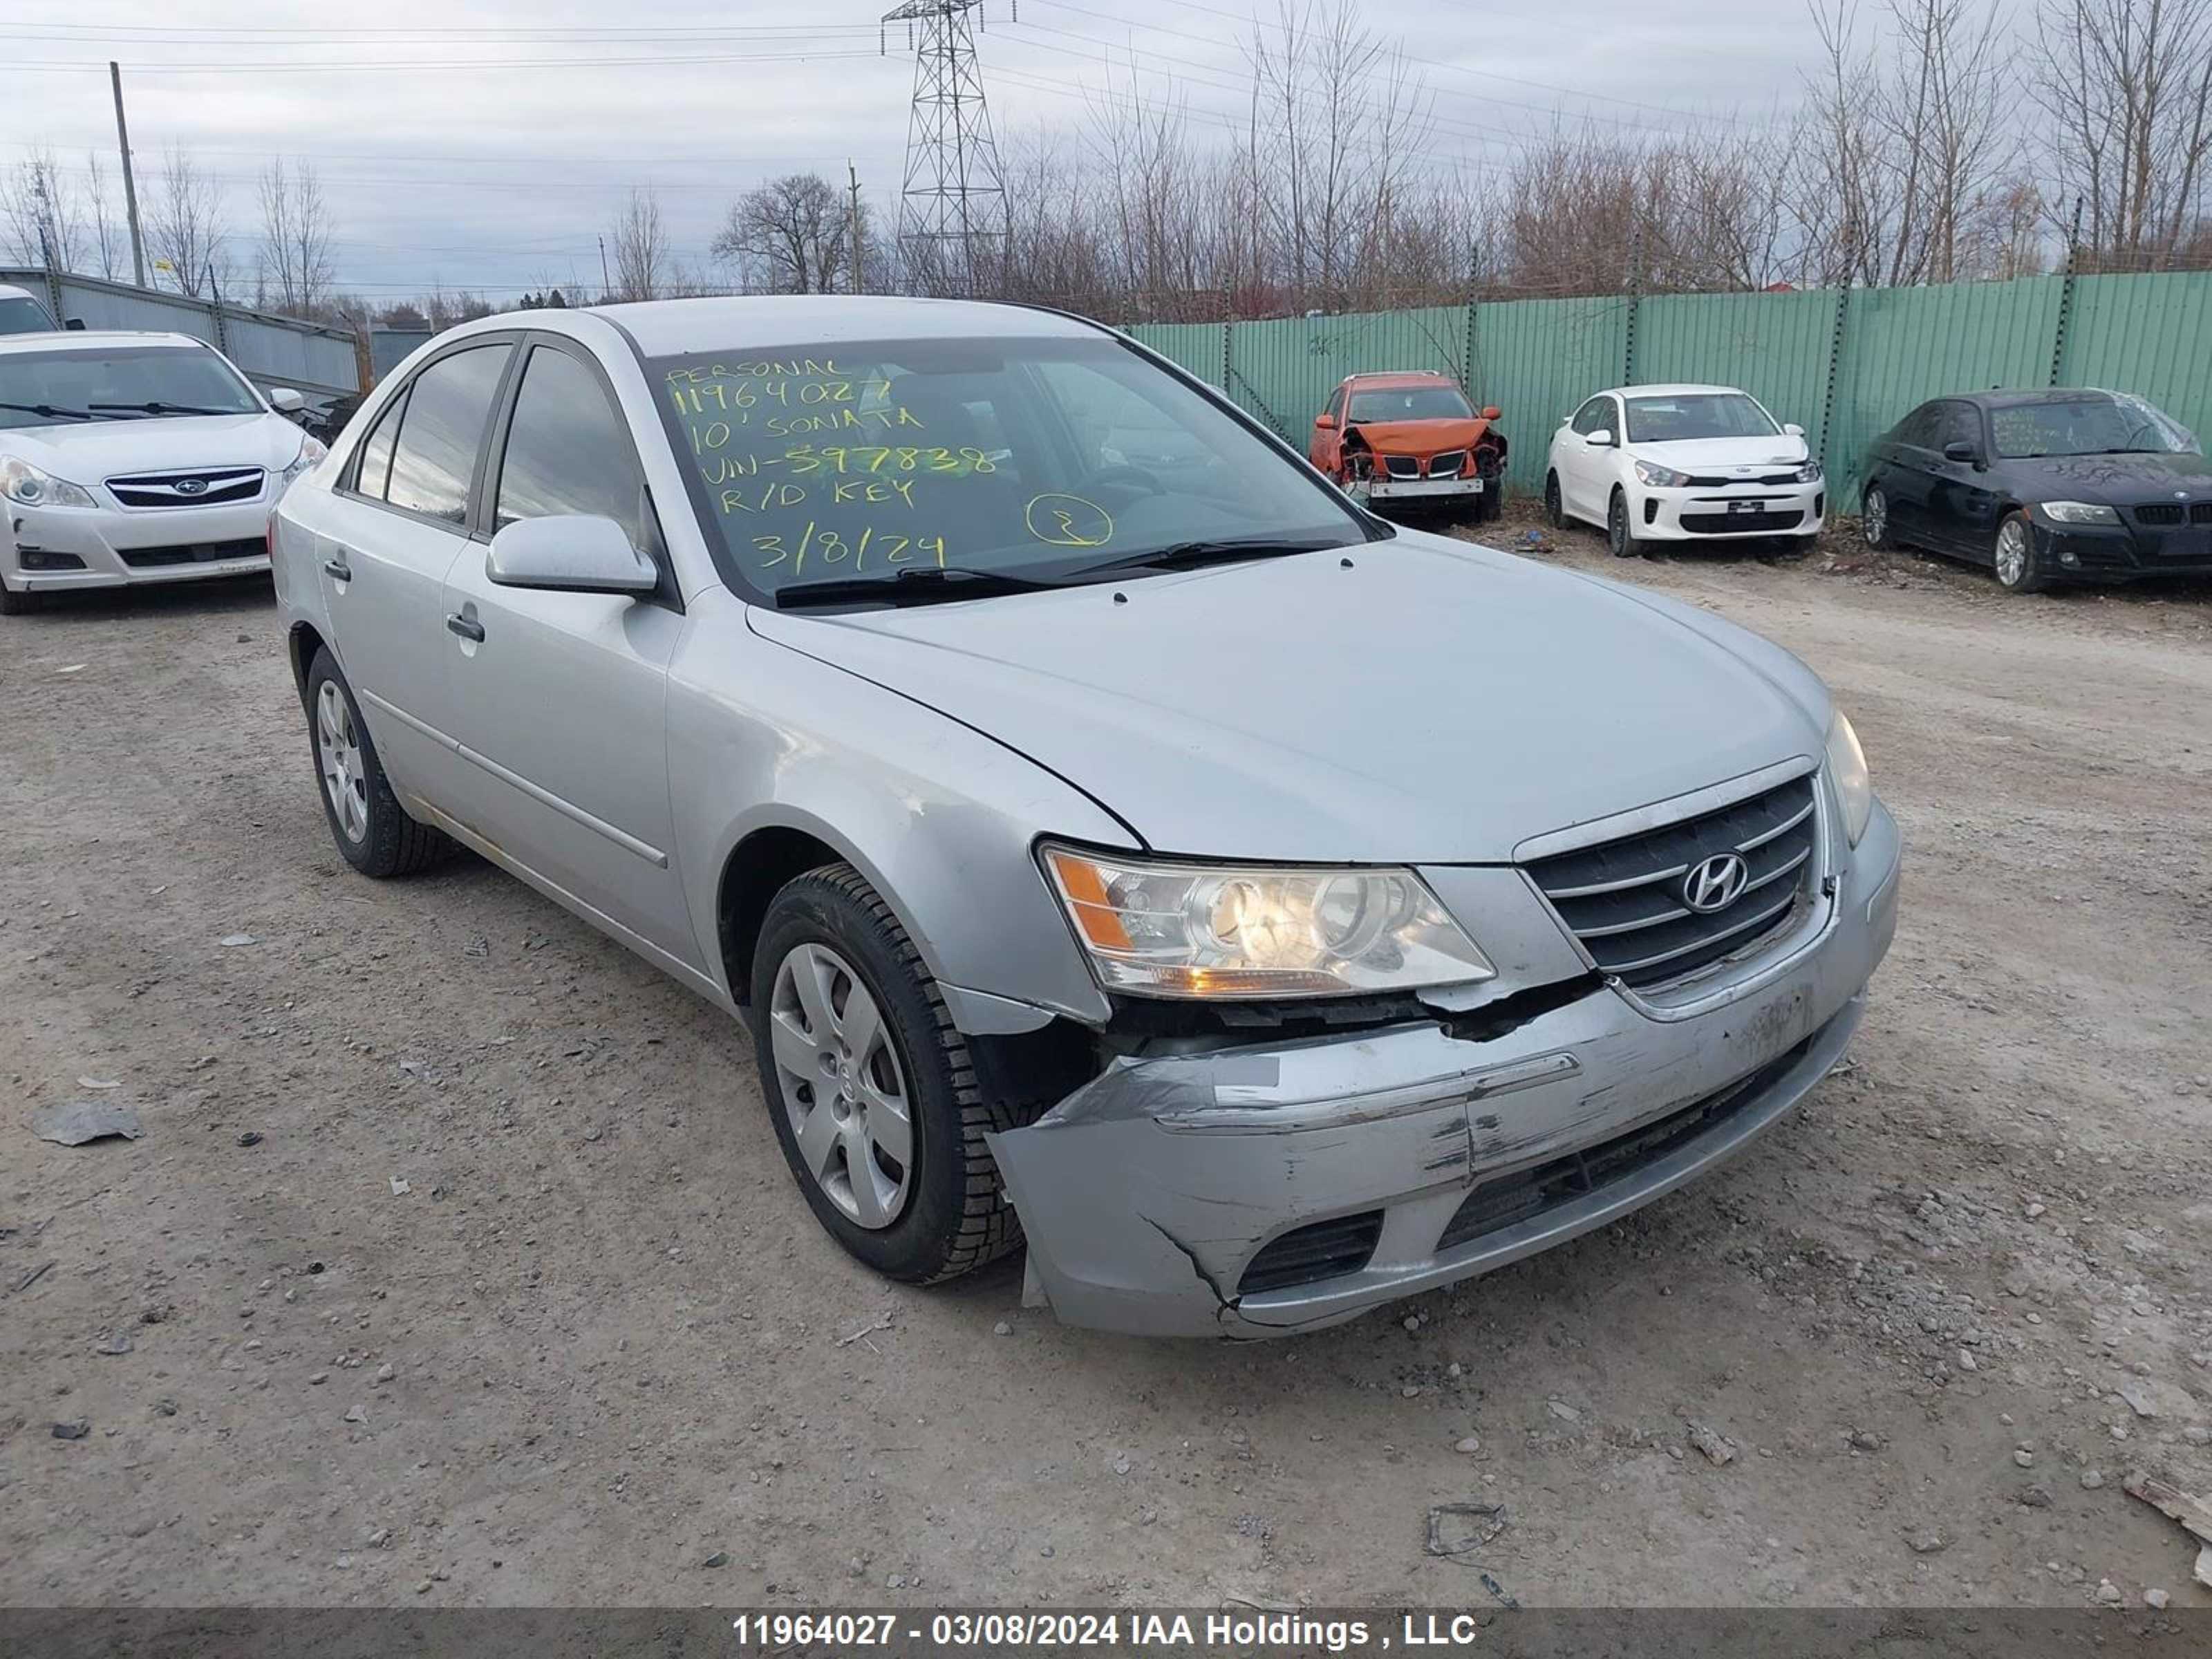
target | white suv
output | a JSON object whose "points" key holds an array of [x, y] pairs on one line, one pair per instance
{"points": [[134, 457]]}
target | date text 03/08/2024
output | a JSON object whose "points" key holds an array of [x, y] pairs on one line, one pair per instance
{"points": [[997, 1630]]}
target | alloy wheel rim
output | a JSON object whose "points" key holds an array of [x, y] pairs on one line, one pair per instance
{"points": [[843, 1089], [2012, 554], [1877, 515], [345, 776]]}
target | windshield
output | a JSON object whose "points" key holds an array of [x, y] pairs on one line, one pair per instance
{"points": [[2087, 424], [1697, 415], [70, 386], [1410, 402], [1036, 459], [19, 315]]}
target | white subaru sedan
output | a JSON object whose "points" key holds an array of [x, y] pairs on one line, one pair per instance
{"points": [[1682, 464], [130, 457]]}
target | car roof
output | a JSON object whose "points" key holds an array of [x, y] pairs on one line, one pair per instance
{"points": [[1673, 389], [667, 328], [1401, 377], [92, 339], [2005, 398], [9, 291]]}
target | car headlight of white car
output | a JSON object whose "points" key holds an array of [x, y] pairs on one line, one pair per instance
{"points": [[33, 486], [311, 451], [2079, 512], [1847, 765], [1154, 928], [1659, 477], [1808, 473]]}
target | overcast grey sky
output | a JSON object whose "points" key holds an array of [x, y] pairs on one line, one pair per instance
{"points": [[484, 144]]}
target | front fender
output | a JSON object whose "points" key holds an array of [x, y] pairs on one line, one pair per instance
{"points": [[940, 818]]}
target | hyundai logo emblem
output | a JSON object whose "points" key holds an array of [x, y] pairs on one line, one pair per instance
{"points": [[191, 486], [1716, 883]]}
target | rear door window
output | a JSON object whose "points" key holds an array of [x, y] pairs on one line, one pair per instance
{"points": [[442, 432]]}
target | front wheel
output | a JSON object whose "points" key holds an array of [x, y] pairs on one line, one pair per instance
{"points": [[2020, 566], [870, 1086], [1619, 536], [1873, 519], [1555, 508], [13, 603]]}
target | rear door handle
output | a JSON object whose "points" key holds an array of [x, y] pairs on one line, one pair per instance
{"points": [[466, 627], [337, 570]]}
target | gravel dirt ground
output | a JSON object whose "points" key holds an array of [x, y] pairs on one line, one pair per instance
{"points": [[456, 1264]]}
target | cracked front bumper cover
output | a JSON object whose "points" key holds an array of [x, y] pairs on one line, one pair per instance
{"points": [[1147, 1193]]}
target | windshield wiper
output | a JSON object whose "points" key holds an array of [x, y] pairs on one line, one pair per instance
{"points": [[155, 406], [1188, 556], [908, 587], [50, 412]]}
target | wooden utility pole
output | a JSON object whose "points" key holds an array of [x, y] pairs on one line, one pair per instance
{"points": [[853, 222], [129, 184]]}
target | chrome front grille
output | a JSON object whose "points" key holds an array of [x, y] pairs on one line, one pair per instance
{"points": [[1447, 467], [219, 486], [1629, 901]]}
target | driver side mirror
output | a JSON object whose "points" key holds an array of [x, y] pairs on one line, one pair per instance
{"points": [[1490, 411], [1324, 422], [285, 401], [569, 553], [1791, 429], [1601, 438]]}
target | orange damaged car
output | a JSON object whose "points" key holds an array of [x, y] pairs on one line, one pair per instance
{"points": [[1411, 438]]}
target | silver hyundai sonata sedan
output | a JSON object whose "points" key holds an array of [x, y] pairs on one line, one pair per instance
{"points": [[1118, 842]]}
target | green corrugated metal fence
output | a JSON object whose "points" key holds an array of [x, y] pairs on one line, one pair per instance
{"points": [[1844, 365]]}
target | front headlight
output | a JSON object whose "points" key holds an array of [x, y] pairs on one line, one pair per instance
{"points": [[32, 486], [1660, 477], [1847, 764], [2079, 512], [1233, 931], [1809, 473], [311, 451]]}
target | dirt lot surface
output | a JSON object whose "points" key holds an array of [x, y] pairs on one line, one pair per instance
{"points": [[597, 1344]]}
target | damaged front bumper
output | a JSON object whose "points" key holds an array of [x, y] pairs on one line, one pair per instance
{"points": [[1257, 1190]]}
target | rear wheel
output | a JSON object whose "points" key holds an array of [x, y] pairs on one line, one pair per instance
{"points": [[1619, 535], [2020, 566], [373, 831], [870, 1086], [1873, 519]]}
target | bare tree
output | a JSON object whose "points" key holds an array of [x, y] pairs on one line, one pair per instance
{"points": [[41, 214], [185, 228], [2127, 85], [295, 236], [644, 262], [792, 235]]}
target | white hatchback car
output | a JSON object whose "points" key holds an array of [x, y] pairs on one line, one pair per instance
{"points": [[134, 457], [1682, 464]]}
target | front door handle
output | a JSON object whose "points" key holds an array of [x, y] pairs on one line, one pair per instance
{"points": [[337, 570], [467, 627]]}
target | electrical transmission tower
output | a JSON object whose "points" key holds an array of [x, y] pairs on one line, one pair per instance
{"points": [[953, 227]]}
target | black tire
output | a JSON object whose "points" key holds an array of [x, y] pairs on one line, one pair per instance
{"points": [[956, 1216], [1873, 519], [1555, 511], [1490, 506], [13, 603], [2032, 577], [391, 843], [1620, 534]]}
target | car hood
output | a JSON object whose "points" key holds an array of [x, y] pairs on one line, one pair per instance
{"points": [[1420, 437], [1434, 703], [93, 450], [2113, 479], [1709, 454]]}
